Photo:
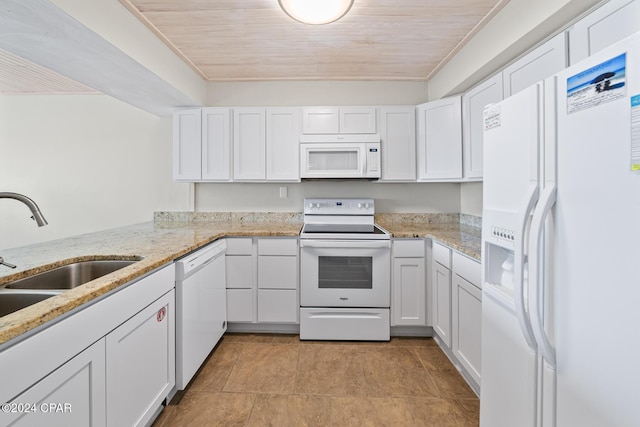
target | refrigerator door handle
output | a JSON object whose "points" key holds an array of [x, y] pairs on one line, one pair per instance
{"points": [[536, 285], [518, 266]]}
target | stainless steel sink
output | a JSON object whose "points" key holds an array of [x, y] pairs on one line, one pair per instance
{"points": [[71, 275], [11, 301]]}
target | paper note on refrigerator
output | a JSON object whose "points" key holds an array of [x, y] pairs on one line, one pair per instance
{"points": [[597, 85], [635, 133]]}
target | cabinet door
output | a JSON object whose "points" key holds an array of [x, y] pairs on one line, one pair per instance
{"points": [[71, 396], [277, 272], [608, 24], [440, 139], [441, 283], [239, 271], [408, 292], [240, 305], [283, 144], [320, 120], [278, 306], [540, 63], [473, 104], [216, 144], [398, 143], [141, 364], [249, 161], [357, 119], [466, 328], [187, 151]]}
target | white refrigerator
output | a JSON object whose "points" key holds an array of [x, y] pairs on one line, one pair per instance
{"points": [[561, 249]]}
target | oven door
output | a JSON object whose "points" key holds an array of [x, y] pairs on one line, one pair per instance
{"points": [[342, 273]]}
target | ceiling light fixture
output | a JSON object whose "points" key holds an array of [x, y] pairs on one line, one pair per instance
{"points": [[316, 12]]}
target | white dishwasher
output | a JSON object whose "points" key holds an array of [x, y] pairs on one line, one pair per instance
{"points": [[201, 308]]}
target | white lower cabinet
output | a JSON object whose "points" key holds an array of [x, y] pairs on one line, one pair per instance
{"points": [[442, 302], [457, 309], [141, 364], [467, 314], [72, 395], [262, 280], [240, 279], [441, 292], [109, 364], [408, 294]]}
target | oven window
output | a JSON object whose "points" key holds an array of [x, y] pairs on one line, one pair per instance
{"points": [[352, 272]]}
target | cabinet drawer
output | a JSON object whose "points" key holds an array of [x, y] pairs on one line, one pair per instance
{"points": [[410, 248], [278, 247], [442, 254], [239, 305], [467, 268], [279, 306], [239, 271], [277, 272], [239, 246]]}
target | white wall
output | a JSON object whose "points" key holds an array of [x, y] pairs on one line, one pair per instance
{"points": [[284, 93], [90, 162], [243, 197]]}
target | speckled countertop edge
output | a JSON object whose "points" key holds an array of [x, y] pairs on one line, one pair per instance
{"points": [[158, 242], [172, 235]]}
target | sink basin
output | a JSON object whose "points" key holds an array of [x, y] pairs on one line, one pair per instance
{"points": [[16, 300], [71, 275]]}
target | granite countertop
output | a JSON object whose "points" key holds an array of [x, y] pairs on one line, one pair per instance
{"points": [[463, 236], [160, 242], [172, 235]]}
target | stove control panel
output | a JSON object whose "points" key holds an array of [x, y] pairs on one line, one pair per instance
{"points": [[339, 207]]}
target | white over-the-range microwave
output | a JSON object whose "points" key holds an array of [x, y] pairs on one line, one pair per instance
{"points": [[340, 156]]}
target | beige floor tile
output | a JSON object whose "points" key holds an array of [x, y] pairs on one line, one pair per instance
{"points": [[396, 412], [264, 368], [216, 370], [451, 385], [199, 408], [395, 372], [278, 380], [434, 359], [330, 370], [471, 410], [290, 410], [241, 337], [413, 341]]}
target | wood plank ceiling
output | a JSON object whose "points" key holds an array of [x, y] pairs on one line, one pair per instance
{"points": [[248, 40], [21, 77]]}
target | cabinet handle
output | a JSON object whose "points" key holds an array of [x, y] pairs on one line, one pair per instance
{"points": [[161, 314]]}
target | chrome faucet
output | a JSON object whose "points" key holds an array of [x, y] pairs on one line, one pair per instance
{"points": [[35, 210]]}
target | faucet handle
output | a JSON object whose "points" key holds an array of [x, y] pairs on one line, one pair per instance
{"points": [[7, 264]]}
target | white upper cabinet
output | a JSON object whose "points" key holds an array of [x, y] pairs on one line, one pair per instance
{"points": [[473, 104], [283, 144], [216, 144], [608, 24], [440, 139], [328, 120], [398, 143], [249, 136], [202, 144], [187, 140], [540, 63]]}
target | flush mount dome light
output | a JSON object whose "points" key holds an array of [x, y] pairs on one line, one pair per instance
{"points": [[316, 12]]}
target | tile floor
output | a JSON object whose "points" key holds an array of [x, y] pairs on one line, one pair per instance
{"points": [[278, 380]]}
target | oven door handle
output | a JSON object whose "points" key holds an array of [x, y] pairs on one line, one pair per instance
{"points": [[341, 244]]}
